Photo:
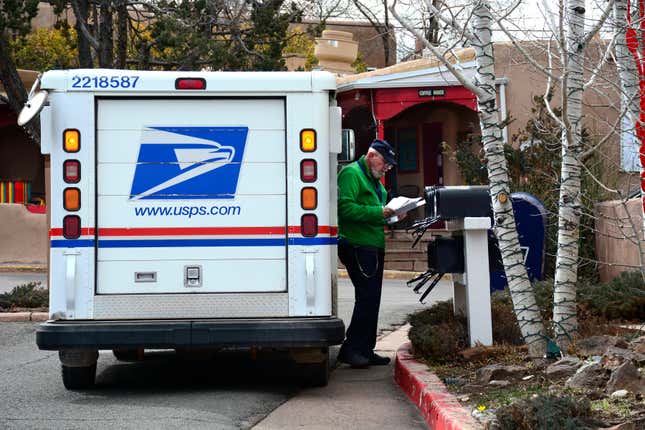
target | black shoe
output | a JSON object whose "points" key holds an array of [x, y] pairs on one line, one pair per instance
{"points": [[354, 359], [377, 360]]}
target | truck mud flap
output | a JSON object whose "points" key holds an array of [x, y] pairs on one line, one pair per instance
{"points": [[286, 332]]}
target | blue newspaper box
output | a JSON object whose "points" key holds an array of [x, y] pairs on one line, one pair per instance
{"points": [[530, 219]]}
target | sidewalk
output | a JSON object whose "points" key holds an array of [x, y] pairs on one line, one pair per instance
{"points": [[371, 399]]}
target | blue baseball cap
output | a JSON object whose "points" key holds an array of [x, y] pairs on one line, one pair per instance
{"points": [[385, 150]]}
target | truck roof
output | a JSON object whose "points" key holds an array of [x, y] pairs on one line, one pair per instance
{"points": [[137, 81]]}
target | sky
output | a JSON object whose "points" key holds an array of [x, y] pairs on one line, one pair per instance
{"points": [[528, 21]]}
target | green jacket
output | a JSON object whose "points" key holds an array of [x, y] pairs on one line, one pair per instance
{"points": [[360, 209]]}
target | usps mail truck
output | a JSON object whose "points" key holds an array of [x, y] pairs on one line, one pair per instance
{"points": [[190, 210]]}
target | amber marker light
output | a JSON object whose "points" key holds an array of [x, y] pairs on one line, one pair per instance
{"points": [[309, 198], [72, 199], [71, 140], [308, 140]]}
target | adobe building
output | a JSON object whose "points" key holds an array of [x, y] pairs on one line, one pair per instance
{"points": [[23, 224], [20, 159], [421, 109]]}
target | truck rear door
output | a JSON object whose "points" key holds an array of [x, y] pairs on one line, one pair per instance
{"points": [[191, 195]]}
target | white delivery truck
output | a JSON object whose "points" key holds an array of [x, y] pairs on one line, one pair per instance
{"points": [[190, 210]]}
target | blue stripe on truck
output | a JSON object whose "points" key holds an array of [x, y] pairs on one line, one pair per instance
{"points": [[176, 243]]}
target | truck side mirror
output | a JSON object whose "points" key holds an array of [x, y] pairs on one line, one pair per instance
{"points": [[348, 149]]}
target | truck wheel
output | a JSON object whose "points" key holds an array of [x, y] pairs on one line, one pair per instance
{"points": [[79, 378], [315, 374], [128, 354]]}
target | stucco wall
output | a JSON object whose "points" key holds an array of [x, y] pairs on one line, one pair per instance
{"points": [[600, 101], [616, 246], [23, 235]]}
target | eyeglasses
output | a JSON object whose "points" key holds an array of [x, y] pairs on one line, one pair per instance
{"points": [[386, 166]]}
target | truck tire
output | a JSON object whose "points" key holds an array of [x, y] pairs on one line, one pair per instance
{"points": [[315, 374], [128, 354], [79, 378]]}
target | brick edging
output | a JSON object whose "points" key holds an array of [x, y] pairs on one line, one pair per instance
{"points": [[440, 409]]}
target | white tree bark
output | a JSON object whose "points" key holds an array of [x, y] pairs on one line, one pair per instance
{"points": [[526, 310], [569, 210]]}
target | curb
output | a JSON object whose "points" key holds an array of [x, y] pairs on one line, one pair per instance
{"points": [[39, 268], [440, 409], [23, 316]]}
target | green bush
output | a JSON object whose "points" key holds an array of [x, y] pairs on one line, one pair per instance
{"points": [[439, 342], [544, 298], [437, 313], [437, 333], [621, 298], [505, 327], [30, 295], [545, 413]]}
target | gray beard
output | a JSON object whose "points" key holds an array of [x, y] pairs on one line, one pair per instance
{"points": [[376, 174]]}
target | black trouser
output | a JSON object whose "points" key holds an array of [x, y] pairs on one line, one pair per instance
{"points": [[364, 266]]}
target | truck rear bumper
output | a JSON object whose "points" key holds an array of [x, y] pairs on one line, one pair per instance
{"points": [[157, 334]]}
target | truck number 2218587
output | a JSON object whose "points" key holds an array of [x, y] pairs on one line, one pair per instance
{"points": [[104, 81]]}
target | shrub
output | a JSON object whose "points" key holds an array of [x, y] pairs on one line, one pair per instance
{"points": [[545, 412], [621, 298], [439, 342], [505, 328], [437, 333], [30, 295], [437, 313], [544, 297]]}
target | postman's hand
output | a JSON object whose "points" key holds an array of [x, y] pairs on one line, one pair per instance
{"points": [[387, 213]]}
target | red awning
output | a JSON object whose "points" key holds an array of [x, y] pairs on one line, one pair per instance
{"points": [[389, 102]]}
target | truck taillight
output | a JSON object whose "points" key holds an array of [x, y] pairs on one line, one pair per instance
{"points": [[71, 227], [190, 84], [72, 199], [71, 171], [309, 198], [71, 140], [308, 140], [308, 170], [309, 225]]}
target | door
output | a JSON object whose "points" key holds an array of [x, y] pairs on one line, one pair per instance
{"points": [[432, 157], [191, 195]]}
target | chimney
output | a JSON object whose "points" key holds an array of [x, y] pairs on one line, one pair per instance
{"points": [[336, 51]]}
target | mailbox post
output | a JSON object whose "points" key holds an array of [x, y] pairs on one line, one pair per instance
{"points": [[472, 288], [464, 254]]}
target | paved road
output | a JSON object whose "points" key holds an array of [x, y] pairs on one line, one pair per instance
{"points": [[164, 391], [8, 280]]}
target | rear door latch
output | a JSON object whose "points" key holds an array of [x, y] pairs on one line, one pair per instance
{"points": [[192, 276]]}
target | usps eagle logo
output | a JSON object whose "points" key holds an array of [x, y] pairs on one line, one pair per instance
{"points": [[189, 163]]}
